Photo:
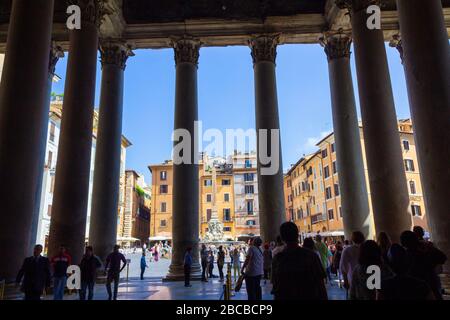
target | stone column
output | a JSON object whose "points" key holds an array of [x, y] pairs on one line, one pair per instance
{"points": [[390, 199], [352, 179], [105, 193], [270, 184], [56, 53], [23, 91], [70, 199], [185, 201], [426, 57]]}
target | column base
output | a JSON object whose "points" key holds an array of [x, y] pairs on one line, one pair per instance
{"points": [[176, 273]]}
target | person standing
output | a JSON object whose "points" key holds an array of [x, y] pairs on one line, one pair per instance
{"points": [[35, 272], [221, 262], [253, 270], [278, 247], [113, 270], [384, 242], [204, 261], [267, 256], [60, 263], [336, 261], [369, 256], [350, 258], [88, 266], [143, 265], [297, 272], [423, 261], [211, 264], [323, 251], [187, 267]]}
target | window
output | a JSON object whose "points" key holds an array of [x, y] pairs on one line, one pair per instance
{"points": [[226, 197], [340, 212], [250, 177], [412, 187], [324, 153], [163, 207], [163, 175], [52, 132], [52, 183], [49, 210], [334, 167], [207, 182], [330, 214], [416, 210], [208, 214], [208, 197], [303, 186], [328, 194], [226, 214], [251, 222], [249, 189], [405, 145], [163, 188], [409, 165], [49, 159], [248, 163], [249, 207], [226, 182], [163, 223], [333, 148], [326, 172], [336, 189], [226, 229]]}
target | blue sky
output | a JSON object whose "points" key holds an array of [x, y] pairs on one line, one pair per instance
{"points": [[226, 98]]}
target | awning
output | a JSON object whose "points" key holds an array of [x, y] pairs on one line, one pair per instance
{"points": [[127, 239], [159, 238]]}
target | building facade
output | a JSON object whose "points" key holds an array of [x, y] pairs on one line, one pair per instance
{"points": [[134, 223], [314, 186], [48, 180]]}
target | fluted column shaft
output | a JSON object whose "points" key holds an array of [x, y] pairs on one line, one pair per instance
{"points": [[426, 59], [70, 200], [389, 193], [185, 200], [270, 186], [105, 192], [352, 180], [23, 91], [56, 53]]}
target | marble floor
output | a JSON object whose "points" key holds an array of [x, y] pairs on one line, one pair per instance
{"points": [[153, 288]]}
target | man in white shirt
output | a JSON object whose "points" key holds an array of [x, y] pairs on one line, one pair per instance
{"points": [[349, 258]]}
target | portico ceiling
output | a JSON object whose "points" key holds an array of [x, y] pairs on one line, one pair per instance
{"points": [[153, 23]]}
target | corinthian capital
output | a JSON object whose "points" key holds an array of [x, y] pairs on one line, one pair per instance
{"points": [[264, 48], [115, 53], [56, 52], [357, 5], [187, 50], [336, 45], [92, 11]]}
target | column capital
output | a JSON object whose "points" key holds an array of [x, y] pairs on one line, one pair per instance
{"points": [[115, 53], [187, 50], [56, 52], [357, 5], [396, 42], [92, 11], [264, 47], [336, 45]]}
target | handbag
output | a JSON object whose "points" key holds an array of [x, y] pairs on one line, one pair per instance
{"points": [[239, 282]]}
